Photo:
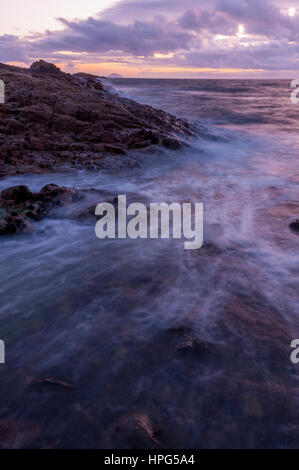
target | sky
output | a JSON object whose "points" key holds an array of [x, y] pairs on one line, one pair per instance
{"points": [[155, 38]]}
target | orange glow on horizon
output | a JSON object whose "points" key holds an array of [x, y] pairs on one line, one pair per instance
{"points": [[17, 64], [127, 71], [130, 71]]}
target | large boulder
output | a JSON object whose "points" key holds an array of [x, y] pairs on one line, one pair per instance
{"points": [[17, 194], [42, 66]]}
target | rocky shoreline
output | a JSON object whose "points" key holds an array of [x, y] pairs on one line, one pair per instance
{"points": [[52, 120]]}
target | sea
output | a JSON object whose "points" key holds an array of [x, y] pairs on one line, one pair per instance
{"points": [[140, 343]]}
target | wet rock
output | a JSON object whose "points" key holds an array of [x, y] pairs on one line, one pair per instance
{"points": [[99, 147], [185, 342], [19, 206], [210, 249], [14, 125], [133, 431], [56, 382], [54, 118], [37, 113], [58, 194], [78, 147], [11, 225], [173, 144], [17, 194], [17, 433], [116, 149]]}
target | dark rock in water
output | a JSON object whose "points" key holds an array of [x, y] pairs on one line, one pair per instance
{"points": [[42, 66], [133, 431], [173, 144], [185, 342], [114, 149], [52, 119], [17, 193], [57, 382], [12, 225], [19, 206], [9, 428], [295, 225], [58, 194], [210, 249]]}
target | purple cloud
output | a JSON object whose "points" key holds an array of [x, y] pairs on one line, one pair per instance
{"points": [[263, 18], [212, 21], [12, 49], [95, 35], [193, 33]]}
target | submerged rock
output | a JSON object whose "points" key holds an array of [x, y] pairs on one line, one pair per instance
{"points": [[17, 194], [133, 431], [56, 382]]}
